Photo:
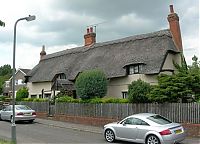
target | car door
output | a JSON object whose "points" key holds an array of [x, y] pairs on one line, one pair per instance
{"points": [[127, 129]]}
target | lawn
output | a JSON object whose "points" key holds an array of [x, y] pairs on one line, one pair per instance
{"points": [[4, 142]]}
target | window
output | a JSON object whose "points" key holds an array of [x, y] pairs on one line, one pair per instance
{"points": [[124, 94], [33, 96], [135, 121], [62, 76], [7, 84], [159, 119], [16, 82], [135, 69], [47, 95], [20, 82]]}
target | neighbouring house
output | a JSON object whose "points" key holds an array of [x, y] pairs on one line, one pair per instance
{"points": [[19, 82], [124, 60]]}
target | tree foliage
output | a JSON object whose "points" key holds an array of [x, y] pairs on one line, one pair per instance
{"points": [[138, 90], [181, 86], [5, 74], [22, 93], [90, 84], [2, 23]]}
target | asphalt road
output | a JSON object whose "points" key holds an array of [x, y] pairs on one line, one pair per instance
{"points": [[46, 131]]}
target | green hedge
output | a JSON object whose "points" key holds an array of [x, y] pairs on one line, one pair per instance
{"points": [[34, 99], [68, 99]]}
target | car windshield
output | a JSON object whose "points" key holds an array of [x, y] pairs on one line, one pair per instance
{"points": [[22, 107], [159, 119]]}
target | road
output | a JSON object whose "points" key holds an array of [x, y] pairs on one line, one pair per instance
{"points": [[46, 131]]}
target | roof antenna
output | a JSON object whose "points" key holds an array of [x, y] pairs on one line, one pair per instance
{"points": [[94, 26]]}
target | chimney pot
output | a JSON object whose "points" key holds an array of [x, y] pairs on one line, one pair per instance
{"points": [[88, 30], [171, 9], [91, 29]]}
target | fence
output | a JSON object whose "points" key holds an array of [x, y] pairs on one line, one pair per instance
{"points": [[37, 106], [178, 112]]}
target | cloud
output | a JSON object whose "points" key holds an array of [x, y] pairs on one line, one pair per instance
{"points": [[62, 23]]}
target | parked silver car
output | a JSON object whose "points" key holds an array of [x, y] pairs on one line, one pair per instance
{"points": [[145, 128], [22, 113]]}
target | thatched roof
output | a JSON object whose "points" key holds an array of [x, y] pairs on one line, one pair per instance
{"points": [[112, 57]]}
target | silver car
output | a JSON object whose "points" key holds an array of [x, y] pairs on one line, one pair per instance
{"points": [[145, 128], [22, 113]]}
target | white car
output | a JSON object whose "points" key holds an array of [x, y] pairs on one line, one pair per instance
{"points": [[145, 128], [22, 113]]}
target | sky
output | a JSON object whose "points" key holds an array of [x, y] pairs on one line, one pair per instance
{"points": [[61, 24]]}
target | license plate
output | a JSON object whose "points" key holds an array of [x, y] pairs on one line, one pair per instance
{"points": [[178, 131], [27, 114]]}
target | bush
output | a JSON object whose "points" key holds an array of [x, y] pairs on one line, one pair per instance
{"points": [[34, 99], [67, 99], [22, 93], [2, 98], [91, 84], [138, 90]]}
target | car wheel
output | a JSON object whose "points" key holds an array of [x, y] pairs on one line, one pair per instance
{"points": [[109, 135], [152, 139], [0, 117]]}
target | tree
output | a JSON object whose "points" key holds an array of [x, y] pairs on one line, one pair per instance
{"points": [[138, 90], [90, 84], [5, 74], [5, 70], [2, 23], [194, 74], [22, 93], [183, 85]]}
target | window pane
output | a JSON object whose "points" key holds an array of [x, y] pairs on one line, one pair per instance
{"points": [[124, 95], [159, 119], [136, 69], [131, 70]]}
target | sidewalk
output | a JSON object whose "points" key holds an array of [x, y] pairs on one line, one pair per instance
{"points": [[73, 126], [93, 129]]}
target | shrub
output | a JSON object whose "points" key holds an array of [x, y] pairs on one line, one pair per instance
{"points": [[34, 99], [2, 98], [22, 93], [91, 84], [138, 90], [67, 99]]}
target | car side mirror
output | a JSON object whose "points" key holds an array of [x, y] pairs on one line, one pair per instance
{"points": [[124, 123]]}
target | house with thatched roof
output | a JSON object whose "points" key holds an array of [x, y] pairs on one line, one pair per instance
{"points": [[124, 60], [19, 82]]}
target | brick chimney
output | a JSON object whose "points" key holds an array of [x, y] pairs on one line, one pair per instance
{"points": [[173, 20], [42, 53], [90, 37]]}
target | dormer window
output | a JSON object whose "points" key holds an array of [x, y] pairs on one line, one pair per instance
{"points": [[61, 76], [134, 69]]}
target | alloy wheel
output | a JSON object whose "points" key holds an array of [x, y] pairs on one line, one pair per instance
{"points": [[109, 135], [152, 140]]}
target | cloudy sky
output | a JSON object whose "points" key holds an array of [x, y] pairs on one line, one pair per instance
{"points": [[61, 24]]}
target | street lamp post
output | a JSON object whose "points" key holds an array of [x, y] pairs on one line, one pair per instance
{"points": [[13, 133]]}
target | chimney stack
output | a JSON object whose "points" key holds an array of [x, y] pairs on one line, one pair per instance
{"points": [[173, 20], [90, 37], [42, 53]]}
